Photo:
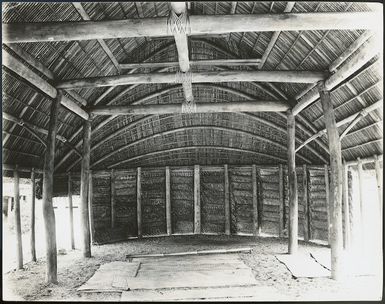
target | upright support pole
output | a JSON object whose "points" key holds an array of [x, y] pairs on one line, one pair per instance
{"points": [[139, 201], [84, 185], [227, 201], [90, 208], [327, 198], [197, 200], [112, 184], [19, 244], [281, 201], [48, 212], [255, 200], [306, 228], [71, 211], [379, 182], [361, 200], [345, 198], [33, 243], [336, 181], [293, 192], [168, 201]]}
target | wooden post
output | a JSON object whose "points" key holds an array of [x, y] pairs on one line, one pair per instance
{"points": [[227, 202], [71, 211], [281, 201], [112, 199], [90, 208], [379, 181], [345, 198], [19, 244], [168, 201], [255, 200], [335, 181], [84, 187], [33, 243], [306, 227], [361, 200], [139, 201], [48, 212], [328, 207], [293, 192], [197, 200]]}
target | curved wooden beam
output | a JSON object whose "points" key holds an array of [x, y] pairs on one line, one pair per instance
{"points": [[205, 127], [283, 160]]}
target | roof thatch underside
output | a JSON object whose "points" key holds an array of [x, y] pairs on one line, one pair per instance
{"points": [[187, 139]]}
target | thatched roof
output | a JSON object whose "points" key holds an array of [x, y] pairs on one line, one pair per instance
{"points": [[186, 139]]}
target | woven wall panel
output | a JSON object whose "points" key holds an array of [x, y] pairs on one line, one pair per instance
{"points": [[212, 201], [101, 208], [60, 185], [318, 208], [182, 200], [153, 201], [125, 202], [241, 200], [269, 195]]}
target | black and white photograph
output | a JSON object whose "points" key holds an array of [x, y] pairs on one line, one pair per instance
{"points": [[192, 151]]}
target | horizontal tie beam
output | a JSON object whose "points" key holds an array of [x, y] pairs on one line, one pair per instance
{"points": [[200, 25], [197, 77], [204, 107]]}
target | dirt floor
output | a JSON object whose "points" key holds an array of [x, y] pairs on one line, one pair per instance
{"points": [[74, 270]]}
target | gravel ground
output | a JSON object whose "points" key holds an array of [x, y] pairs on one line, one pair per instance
{"points": [[74, 270]]}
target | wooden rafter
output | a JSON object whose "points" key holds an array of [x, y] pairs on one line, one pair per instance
{"points": [[361, 57], [375, 141]]}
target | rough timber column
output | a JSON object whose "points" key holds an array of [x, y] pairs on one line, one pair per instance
{"points": [[168, 201], [84, 184], [379, 181], [345, 198], [197, 200], [48, 212], [19, 244], [293, 191], [335, 181], [71, 211], [33, 247]]}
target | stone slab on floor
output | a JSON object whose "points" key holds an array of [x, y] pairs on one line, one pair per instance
{"points": [[303, 266]]}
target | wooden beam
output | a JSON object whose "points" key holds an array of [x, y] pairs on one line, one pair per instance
{"points": [[281, 201], [35, 128], [375, 141], [201, 107], [20, 169], [112, 184], [84, 185], [366, 52], [71, 212], [256, 224], [168, 201], [379, 181], [33, 218], [19, 241], [24, 72], [366, 160], [205, 24], [197, 200], [306, 222], [90, 207], [342, 122], [327, 199], [293, 190], [139, 200], [345, 199], [276, 158], [274, 38], [336, 242], [350, 50], [82, 12], [48, 212], [210, 62], [227, 201], [201, 77]]}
